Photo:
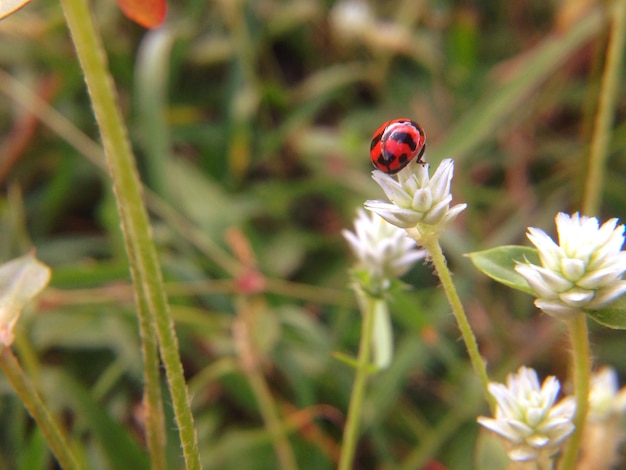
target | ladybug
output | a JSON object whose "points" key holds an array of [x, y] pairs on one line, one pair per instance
{"points": [[396, 143]]}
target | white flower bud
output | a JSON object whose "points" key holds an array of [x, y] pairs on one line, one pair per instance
{"points": [[527, 418], [417, 201], [585, 269]]}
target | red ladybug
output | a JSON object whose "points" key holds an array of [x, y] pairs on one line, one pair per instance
{"points": [[396, 143]]}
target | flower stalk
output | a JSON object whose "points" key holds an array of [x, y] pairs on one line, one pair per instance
{"points": [[441, 268], [420, 204], [363, 371], [581, 365]]}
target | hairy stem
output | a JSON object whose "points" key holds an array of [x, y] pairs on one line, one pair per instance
{"points": [[581, 365], [441, 267], [150, 295], [37, 409]]}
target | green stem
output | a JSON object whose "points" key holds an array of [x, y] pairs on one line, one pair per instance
{"points": [[144, 264], [441, 267], [153, 400], [581, 363], [37, 409], [249, 360], [351, 431], [611, 86], [272, 420]]}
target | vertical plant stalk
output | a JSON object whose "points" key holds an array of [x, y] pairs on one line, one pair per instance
{"points": [[581, 365], [579, 335], [441, 268], [144, 265], [153, 400], [271, 418], [611, 85], [351, 430], [248, 358], [38, 410]]}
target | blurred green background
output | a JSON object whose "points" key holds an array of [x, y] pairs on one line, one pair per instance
{"points": [[251, 123]]}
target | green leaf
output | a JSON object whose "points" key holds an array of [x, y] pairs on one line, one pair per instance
{"points": [[613, 316], [499, 264]]}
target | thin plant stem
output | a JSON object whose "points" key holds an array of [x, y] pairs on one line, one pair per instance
{"points": [[431, 244], [248, 356], [153, 399], [144, 265], [611, 86], [38, 410], [280, 441], [578, 331], [364, 367], [581, 365]]}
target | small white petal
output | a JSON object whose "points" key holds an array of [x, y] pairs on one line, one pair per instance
{"points": [[577, 298], [403, 218], [535, 280], [438, 211], [422, 200], [452, 214], [553, 279], [392, 189], [609, 249], [538, 440], [534, 416], [608, 295], [550, 389], [499, 427], [600, 278], [559, 434], [556, 309], [549, 252], [440, 182], [523, 453], [572, 268], [521, 429]]}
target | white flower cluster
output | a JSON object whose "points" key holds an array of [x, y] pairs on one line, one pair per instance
{"points": [[418, 202], [583, 271], [528, 419], [383, 250]]}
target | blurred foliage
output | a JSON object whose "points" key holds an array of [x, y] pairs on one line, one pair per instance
{"points": [[251, 123]]}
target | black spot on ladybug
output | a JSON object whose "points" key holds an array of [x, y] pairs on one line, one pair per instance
{"points": [[384, 161], [375, 141], [405, 138]]}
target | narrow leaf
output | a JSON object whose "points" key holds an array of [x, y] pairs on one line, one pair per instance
{"points": [[499, 264]]}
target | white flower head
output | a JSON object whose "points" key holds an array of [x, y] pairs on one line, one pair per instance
{"points": [[382, 249], [527, 418], [605, 400], [583, 271], [418, 202]]}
